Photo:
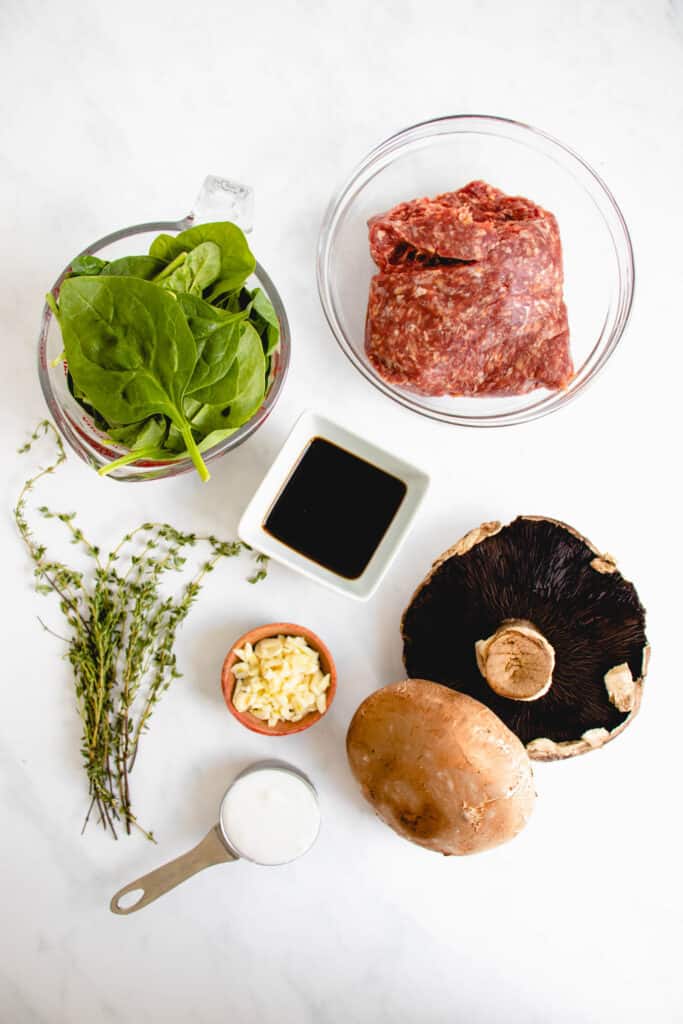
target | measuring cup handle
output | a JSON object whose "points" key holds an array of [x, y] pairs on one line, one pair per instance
{"points": [[211, 850]]}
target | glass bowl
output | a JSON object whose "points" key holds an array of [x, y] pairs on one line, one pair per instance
{"points": [[443, 155], [219, 199]]}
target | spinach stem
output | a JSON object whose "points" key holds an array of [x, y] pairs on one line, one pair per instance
{"points": [[133, 456], [171, 267], [158, 454], [193, 451]]}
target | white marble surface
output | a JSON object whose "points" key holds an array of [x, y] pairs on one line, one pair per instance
{"points": [[112, 114]]}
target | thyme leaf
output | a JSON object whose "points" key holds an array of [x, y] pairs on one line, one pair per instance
{"points": [[120, 633]]}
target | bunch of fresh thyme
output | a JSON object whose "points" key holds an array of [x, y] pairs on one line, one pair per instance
{"points": [[121, 634]]}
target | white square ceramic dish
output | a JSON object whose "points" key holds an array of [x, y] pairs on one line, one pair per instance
{"points": [[308, 427]]}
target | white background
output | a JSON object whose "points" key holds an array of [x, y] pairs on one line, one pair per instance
{"points": [[112, 114]]}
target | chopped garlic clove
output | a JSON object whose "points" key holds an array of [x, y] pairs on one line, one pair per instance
{"points": [[279, 679]]}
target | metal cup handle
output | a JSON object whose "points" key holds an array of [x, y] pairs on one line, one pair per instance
{"points": [[211, 850]]}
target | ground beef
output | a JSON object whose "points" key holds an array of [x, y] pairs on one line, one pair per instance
{"points": [[468, 298]]}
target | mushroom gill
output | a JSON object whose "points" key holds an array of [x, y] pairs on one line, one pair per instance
{"points": [[532, 621]]}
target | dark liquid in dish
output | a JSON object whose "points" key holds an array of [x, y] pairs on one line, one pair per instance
{"points": [[335, 508]]}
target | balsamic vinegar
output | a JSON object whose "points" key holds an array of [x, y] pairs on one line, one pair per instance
{"points": [[335, 508]]}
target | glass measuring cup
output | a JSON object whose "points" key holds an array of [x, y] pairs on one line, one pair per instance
{"points": [[218, 199], [231, 840]]}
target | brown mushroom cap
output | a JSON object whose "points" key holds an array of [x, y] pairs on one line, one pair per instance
{"points": [[575, 605], [440, 768]]}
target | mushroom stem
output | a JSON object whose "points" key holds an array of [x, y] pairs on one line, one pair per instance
{"points": [[517, 661]]}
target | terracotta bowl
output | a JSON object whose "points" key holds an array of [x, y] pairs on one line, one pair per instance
{"points": [[252, 637]]}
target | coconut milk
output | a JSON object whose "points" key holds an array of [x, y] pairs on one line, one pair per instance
{"points": [[270, 816]]}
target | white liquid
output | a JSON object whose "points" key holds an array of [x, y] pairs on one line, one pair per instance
{"points": [[270, 816]]}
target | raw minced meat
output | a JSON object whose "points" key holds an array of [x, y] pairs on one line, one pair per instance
{"points": [[468, 298]]}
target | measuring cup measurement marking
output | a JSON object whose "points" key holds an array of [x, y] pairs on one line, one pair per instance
{"points": [[260, 784]]}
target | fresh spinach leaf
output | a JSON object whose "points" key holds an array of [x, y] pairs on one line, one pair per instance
{"points": [[237, 260], [204, 264], [190, 406], [265, 320], [241, 409], [175, 444], [168, 352], [149, 433], [129, 350], [199, 269], [240, 393], [175, 441], [195, 307], [245, 384], [170, 268], [88, 264], [203, 443], [145, 267], [164, 248], [216, 336], [215, 437], [82, 400], [248, 365], [233, 300], [176, 277]]}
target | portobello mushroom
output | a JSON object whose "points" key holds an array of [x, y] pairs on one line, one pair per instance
{"points": [[439, 768], [533, 621]]}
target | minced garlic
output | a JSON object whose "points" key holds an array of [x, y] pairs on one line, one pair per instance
{"points": [[279, 679]]}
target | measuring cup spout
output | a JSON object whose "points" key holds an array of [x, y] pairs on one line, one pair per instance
{"points": [[211, 850]]}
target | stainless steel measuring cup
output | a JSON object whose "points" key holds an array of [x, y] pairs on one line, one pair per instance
{"points": [[216, 847]]}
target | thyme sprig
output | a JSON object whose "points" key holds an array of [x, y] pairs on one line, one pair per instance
{"points": [[121, 633]]}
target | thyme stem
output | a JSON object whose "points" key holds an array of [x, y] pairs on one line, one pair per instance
{"points": [[121, 634]]}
